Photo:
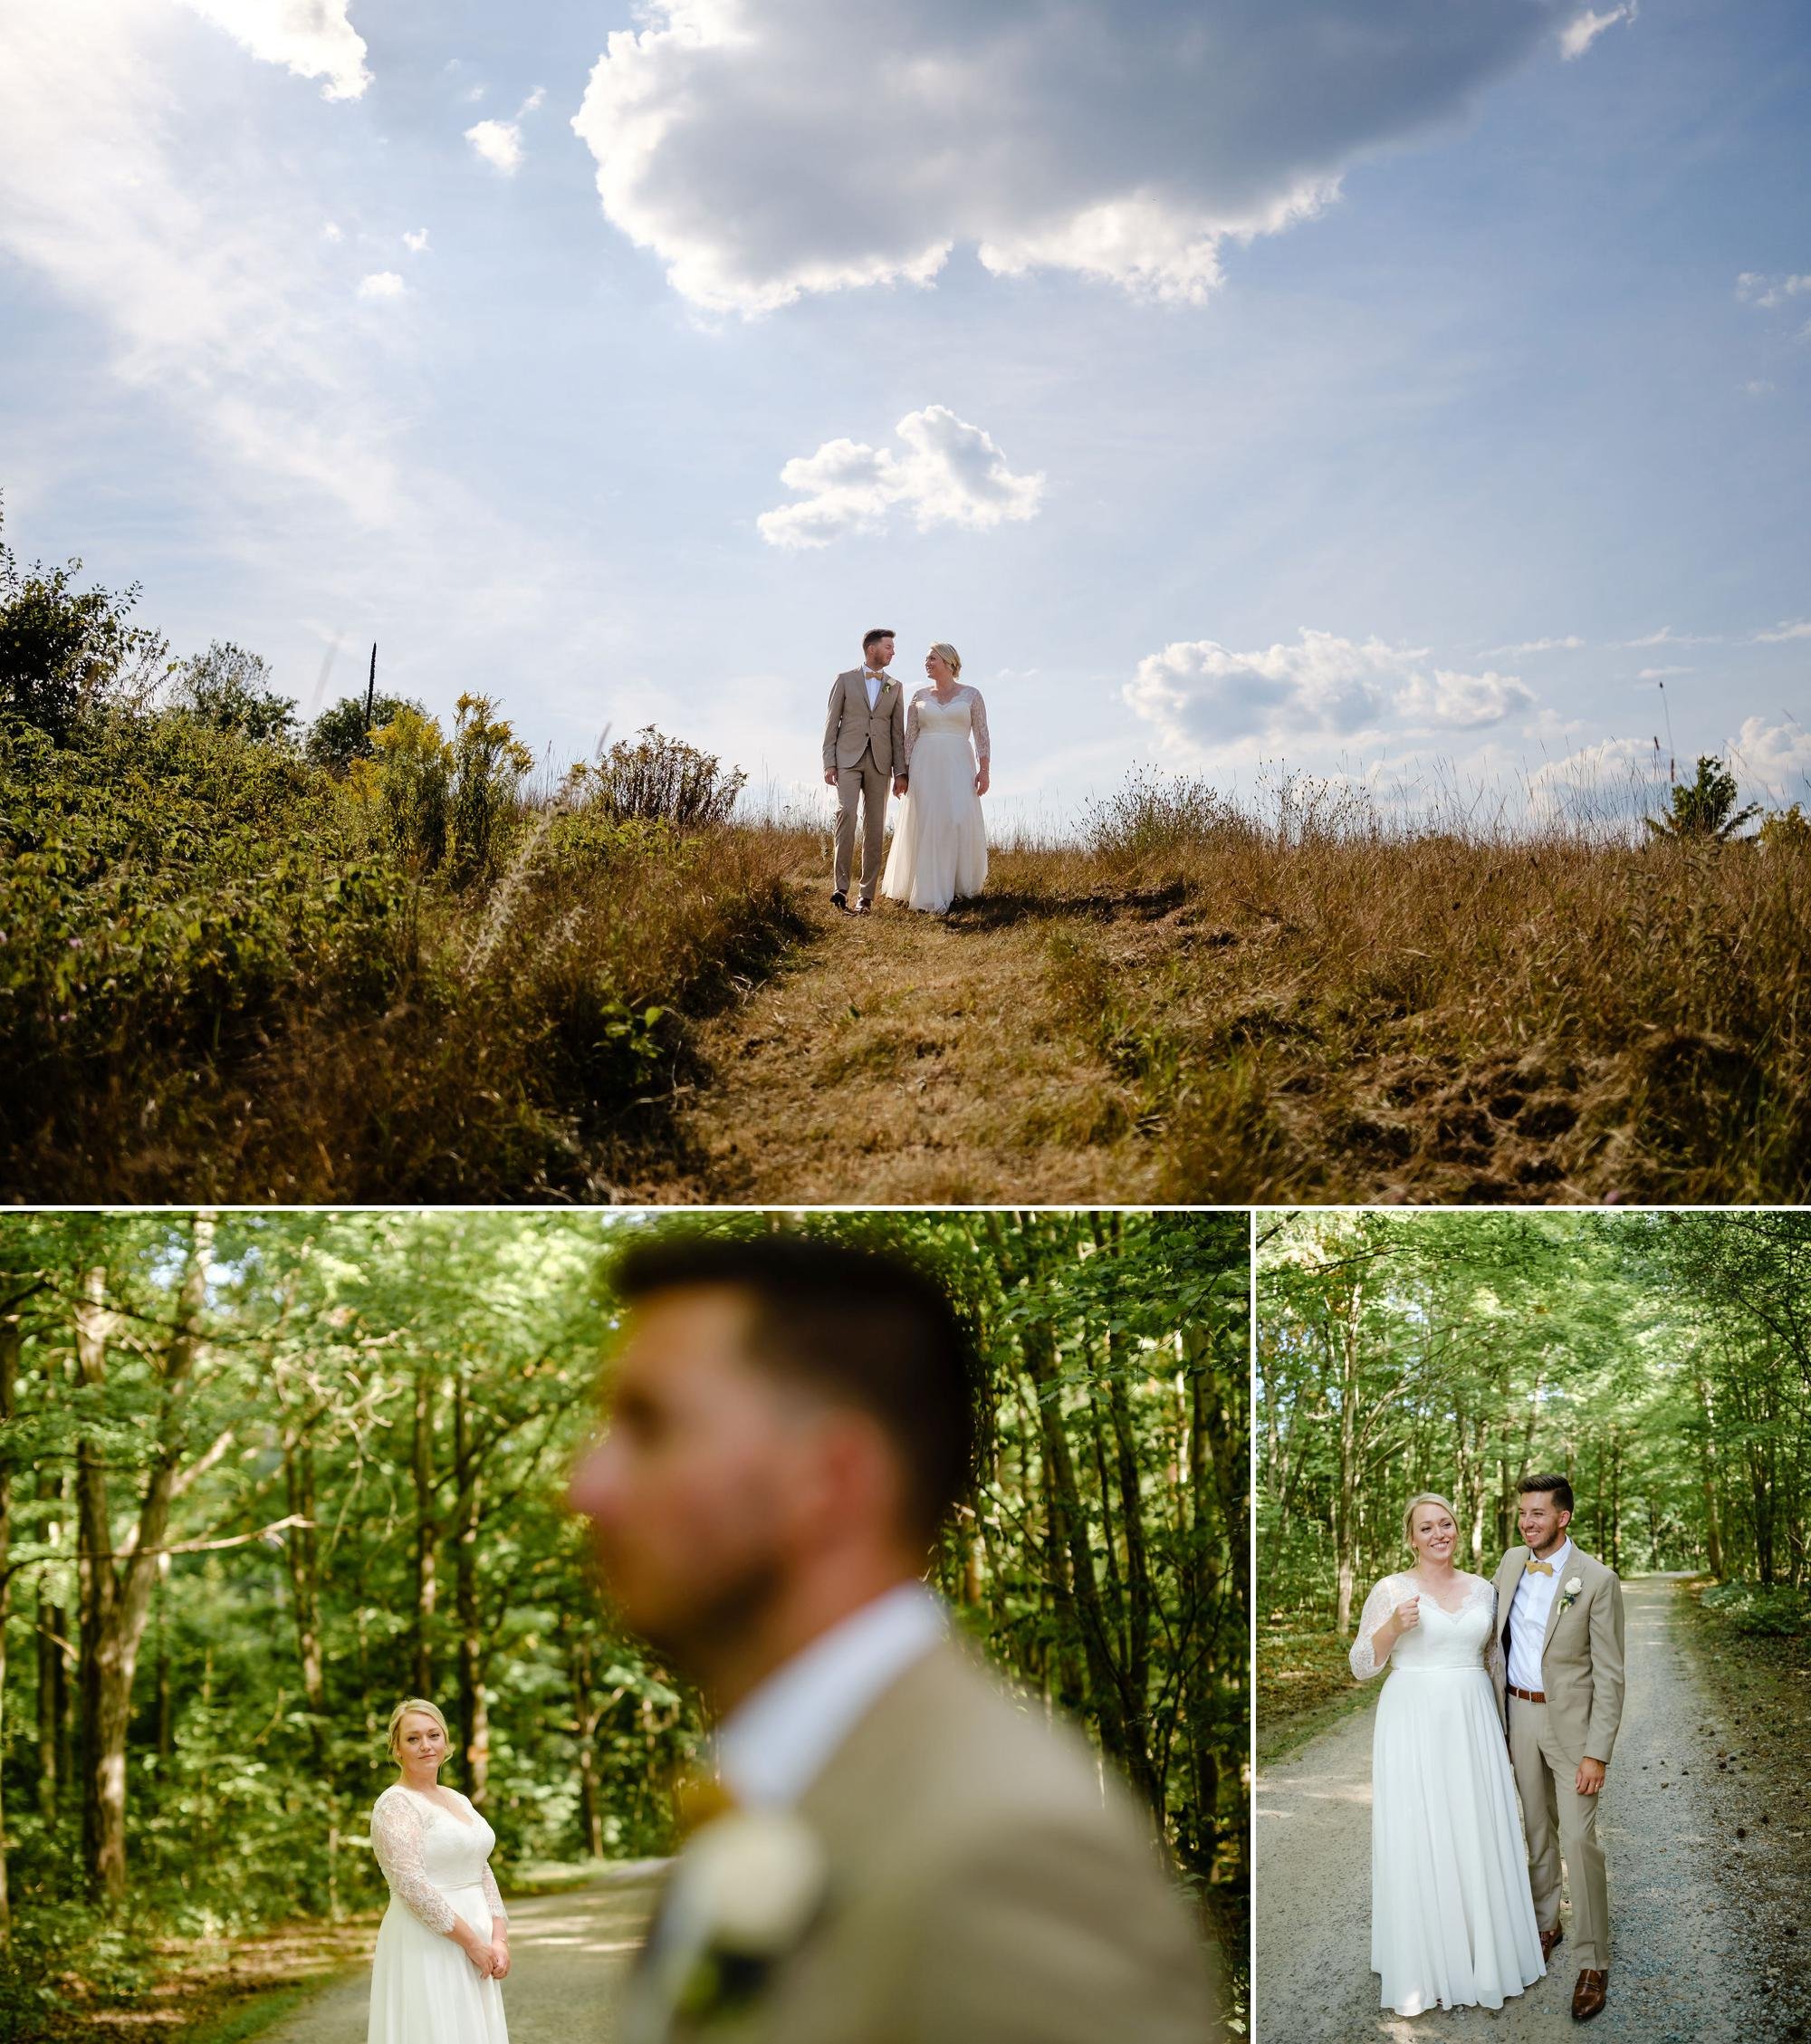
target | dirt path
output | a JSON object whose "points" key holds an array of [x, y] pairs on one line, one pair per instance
{"points": [[567, 1953], [1684, 1967], [908, 1059]]}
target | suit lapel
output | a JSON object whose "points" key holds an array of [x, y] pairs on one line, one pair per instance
{"points": [[1553, 1608]]}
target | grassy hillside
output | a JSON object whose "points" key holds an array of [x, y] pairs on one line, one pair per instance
{"points": [[228, 972]]}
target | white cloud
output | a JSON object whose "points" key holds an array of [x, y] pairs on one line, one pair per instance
{"points": [[1663, 674], [1570, 644], [1202, 695], [1583, 30], [313, 37], [382, 284], [1666, 635], [499, 142], [1799, 628], [332, 231], [536, 100], [1754, 288], [211, 290], [768, 149], [1775, 758], [416, 240], [1612, 780], [950, 473]]}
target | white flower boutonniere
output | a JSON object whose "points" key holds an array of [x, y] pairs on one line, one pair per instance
{"points": [[754, 1880], [1574, 1584]]}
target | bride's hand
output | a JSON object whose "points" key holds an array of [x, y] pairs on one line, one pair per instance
{"points": [[500, 1960], [980, 782], [1406, 1615]]}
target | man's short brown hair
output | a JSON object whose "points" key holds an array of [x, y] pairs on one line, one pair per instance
{"points": [[879, 631], [1557, 1485], [863, 1328]]}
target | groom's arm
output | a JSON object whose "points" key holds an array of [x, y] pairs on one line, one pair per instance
{"points": [[901, 764], [833, 724], [1607, 1681]]}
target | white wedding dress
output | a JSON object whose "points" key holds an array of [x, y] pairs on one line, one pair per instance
{"points": [[423, 1988], [1452, 1919], [940, 844]]}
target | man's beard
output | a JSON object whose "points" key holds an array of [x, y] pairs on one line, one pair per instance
{"points": [[696, 1637]]}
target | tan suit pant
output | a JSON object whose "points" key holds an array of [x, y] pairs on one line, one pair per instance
{"points": [[1559, 1822], [863, 781]]}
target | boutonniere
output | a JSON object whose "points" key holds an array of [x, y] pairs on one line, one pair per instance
{"points": [[754, 1880], [1569, 1594]]}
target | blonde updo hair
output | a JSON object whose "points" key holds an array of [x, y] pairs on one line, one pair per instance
{"points": [[1415, 1505], [949, 653], [402, 1710]]}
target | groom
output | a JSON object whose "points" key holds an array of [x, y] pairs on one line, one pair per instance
{"points": [[1563, 1652], [901, 1852], [864, 754]]}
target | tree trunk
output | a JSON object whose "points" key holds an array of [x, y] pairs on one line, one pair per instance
{"points": [[422, 1461], [1345, 1515], [12, 1338], [1707, 1477], [475, 1716], [117, 1591]]}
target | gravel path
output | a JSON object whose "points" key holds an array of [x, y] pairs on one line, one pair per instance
{"points": [[1682, 1970], [567, 1953]]}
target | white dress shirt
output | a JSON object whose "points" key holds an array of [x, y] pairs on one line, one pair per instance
{"points": [[876, 682], [1528, 1618], [779, 1738]]}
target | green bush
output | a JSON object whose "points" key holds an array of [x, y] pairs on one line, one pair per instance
{"points": [[658, 780], [1774, 1610]]}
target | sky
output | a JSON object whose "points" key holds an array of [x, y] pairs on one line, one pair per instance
{"points": [[1410, 393]]}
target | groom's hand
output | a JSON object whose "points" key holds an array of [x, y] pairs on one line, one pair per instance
{"points": [[831, 778], [1590, 1777], [898, 783]]}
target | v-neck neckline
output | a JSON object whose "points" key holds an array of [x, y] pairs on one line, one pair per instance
{"points": [[464, 1824], [1432, 1600]]}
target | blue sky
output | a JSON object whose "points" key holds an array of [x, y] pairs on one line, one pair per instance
{"points": [[1366, 387]]}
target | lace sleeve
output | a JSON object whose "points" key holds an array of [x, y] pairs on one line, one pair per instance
{"points": [[396, 1838], [1377, 1609], [493, 1899], [977, 719], [911, 731]]}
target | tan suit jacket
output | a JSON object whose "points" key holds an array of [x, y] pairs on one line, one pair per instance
{"points": [[980, 1891], [1581, 1662], [851, 727]]}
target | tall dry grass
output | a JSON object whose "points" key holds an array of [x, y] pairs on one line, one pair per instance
{"points": [[1321, 1004]]}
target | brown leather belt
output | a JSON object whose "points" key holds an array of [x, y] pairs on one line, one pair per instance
{"points": [[1528, 1696]]}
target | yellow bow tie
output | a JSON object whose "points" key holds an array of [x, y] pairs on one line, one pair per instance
{"points": [[699, 1798], [1539, 1568]]}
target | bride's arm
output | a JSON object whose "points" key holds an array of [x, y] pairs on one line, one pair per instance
{"points": [[1376, 1634], [912, 730], [977, 722]]}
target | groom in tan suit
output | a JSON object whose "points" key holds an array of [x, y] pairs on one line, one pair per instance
{"points": [[900, 1850], [864, 757], [1562, 1696]]}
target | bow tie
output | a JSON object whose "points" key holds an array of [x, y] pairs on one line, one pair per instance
{"points": [[699, 1798], [1539, 1568]]}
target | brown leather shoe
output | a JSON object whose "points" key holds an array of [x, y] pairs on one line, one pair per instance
{"points": [[1548, 1940], [1590, 1994]]}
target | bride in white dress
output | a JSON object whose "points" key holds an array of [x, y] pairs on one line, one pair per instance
{"points": [[1453, 1918], [939, 845], [444, 1943]]}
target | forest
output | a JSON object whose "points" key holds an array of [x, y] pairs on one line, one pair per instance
{"points": [[261, 1473], [1661, 1361]]}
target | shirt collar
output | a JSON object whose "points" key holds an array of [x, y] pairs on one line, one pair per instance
{"points": [[779, 1738], [1556, 1558]]}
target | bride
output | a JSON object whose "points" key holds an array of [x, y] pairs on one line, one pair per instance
{"points": [[1451, 1915], [939, 846], [444, 1942]]}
